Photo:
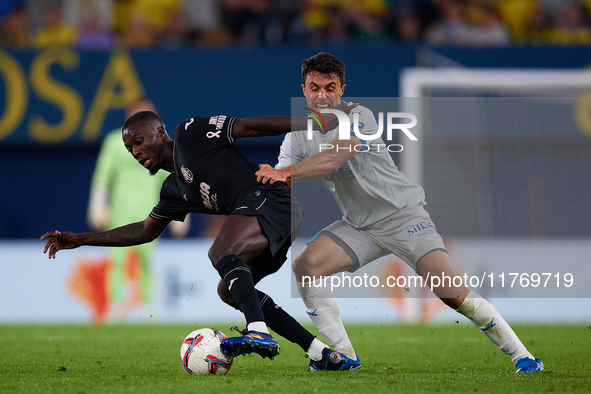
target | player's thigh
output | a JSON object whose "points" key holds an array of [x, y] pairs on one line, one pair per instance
{"points": [[240, 235], [336, 248], [321, 257], [267, 263], [409, 234], [416, 241]]}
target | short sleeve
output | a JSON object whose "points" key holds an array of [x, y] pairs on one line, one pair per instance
{"points": [[284, 159], [169, 210], [290, 151], [169, 207], [172, 206]]}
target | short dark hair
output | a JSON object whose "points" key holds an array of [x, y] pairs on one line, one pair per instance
{"points": [[326, 64], [140, 118]]}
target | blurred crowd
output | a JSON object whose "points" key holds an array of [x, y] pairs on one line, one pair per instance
{"points": [[100, 24]]}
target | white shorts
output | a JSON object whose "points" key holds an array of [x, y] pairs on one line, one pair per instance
{"points": [[409, 234]]}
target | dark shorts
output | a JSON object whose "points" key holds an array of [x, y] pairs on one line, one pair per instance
{"points": [[267, 264], [278, 212]]}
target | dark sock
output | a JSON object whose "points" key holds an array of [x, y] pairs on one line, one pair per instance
{"points": [[283, 324], [239, 281]]}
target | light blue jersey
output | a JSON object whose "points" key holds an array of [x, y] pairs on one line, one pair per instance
{"points": [[369, 186]]}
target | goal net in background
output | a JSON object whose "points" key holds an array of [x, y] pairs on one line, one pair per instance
{"points": [[502, 153]]}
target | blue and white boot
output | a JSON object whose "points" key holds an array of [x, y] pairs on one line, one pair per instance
{"points": [[528, 365], [351, 365], [251, 342], [334, 361]]}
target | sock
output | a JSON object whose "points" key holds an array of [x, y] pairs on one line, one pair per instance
{"points": [[254, 326], [315, 350], [283, 324], [324, 312], [240, 283], [484, 316], [258, 326]]}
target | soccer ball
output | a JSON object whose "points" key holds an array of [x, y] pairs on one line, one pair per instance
{"points": [[201, 353]]}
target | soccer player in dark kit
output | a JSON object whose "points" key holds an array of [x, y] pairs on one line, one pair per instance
{"points": [[209, 175]]}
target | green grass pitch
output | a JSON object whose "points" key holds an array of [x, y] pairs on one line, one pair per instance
{"points": [[410, 358]]}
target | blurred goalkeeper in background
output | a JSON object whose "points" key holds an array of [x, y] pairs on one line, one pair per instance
{"points": [[379, 206], [122, 192]]}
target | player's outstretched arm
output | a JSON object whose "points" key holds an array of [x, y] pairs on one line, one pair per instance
{"points": [[128, 235], [315, 167], [261, 126]]}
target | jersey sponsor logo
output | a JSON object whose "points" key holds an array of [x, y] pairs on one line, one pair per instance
{"points": [[209, 201], [218, 121], [420, 229], [188, 123], [187, 174]]}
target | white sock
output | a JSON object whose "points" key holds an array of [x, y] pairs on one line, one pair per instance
{"points": [[484, 316], [324, 311], [258, 326], [315, 350]]}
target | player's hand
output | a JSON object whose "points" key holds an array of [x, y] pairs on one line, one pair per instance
{"points": [[268, 174], [331, 119], [98, 208], [57, 240], [346, 108]]}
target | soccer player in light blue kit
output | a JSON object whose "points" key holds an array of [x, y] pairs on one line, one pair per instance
{"points": [[379, 205]]}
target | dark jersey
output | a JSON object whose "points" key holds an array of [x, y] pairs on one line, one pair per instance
{"points": [[211, 175]]}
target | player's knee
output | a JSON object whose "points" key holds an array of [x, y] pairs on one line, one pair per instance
{"points": [[306, 264], [212, 256], [298, 267], [217, 252], [245, 249], [452, 296], [453, 303]]}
